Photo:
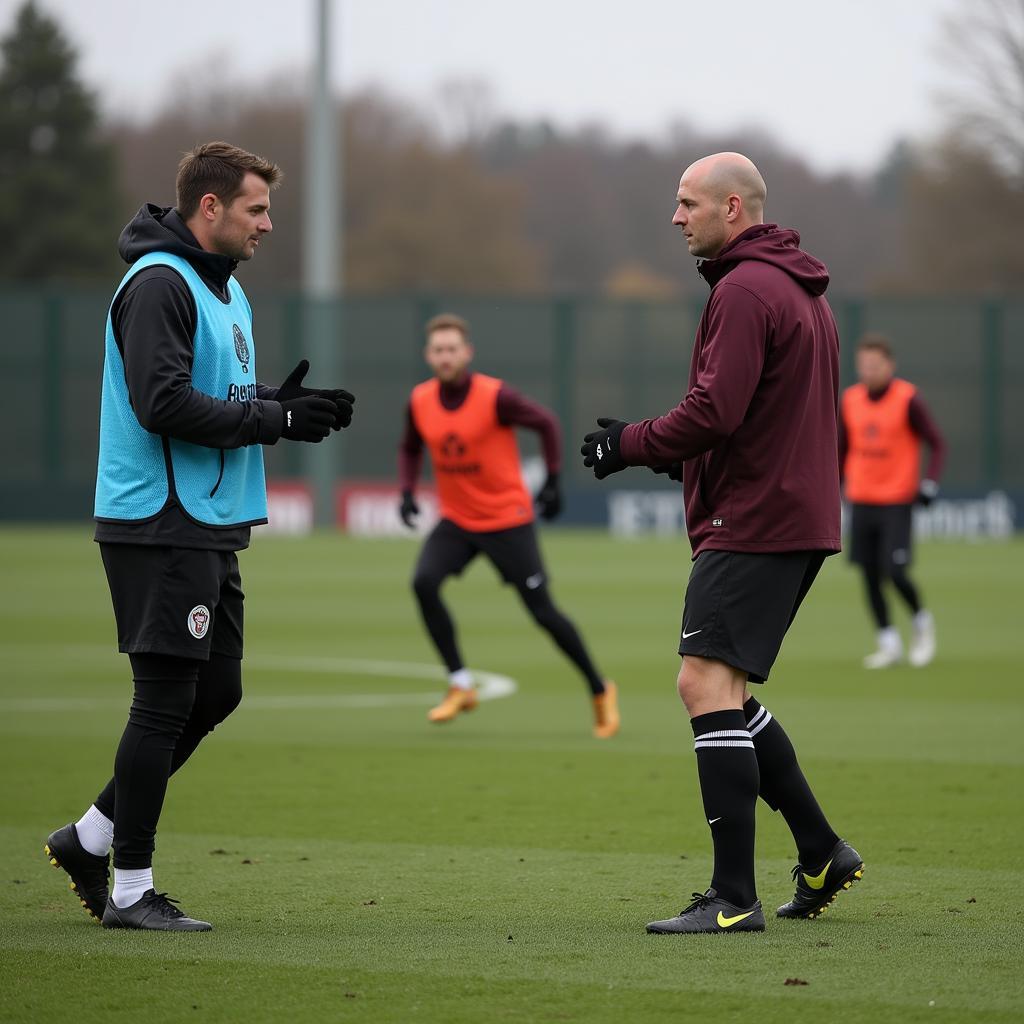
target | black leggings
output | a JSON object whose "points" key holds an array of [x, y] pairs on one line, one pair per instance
{"points": [[177, 702], [427, 586], [560, 628], [873, 580]]}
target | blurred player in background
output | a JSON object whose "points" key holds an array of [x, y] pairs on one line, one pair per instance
{"points": [[179, 485], [466, 421], [753, 440], [882, 424]]}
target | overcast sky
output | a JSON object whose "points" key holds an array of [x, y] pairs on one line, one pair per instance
{"points": [[834, 81]]}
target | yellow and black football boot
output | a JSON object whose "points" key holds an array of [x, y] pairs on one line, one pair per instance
{"points": [[710, 914], [817, 888]]}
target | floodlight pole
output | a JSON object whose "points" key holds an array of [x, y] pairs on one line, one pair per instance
{"points": [[321, 267]]}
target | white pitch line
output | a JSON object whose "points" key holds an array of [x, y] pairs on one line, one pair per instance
{"points": [[490, 686]]}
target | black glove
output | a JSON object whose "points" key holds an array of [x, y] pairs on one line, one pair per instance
{"points": [[292, 388], [674, 471], [308, 418], [600, 448], [927, 492], [408, 510], [549, 498]]}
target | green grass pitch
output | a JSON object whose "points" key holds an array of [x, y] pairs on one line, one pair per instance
{"points": [[361, 865]]}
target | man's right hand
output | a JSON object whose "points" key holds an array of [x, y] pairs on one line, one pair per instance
{"points": [[408, 510], [308, 418], [293, 388]]}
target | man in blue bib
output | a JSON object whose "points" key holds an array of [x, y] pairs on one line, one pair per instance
{"points": [[179, 485]]}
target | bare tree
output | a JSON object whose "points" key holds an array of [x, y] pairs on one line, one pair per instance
{"points": [[419, 213], [986, 256], [465, 109], [982, 44]]}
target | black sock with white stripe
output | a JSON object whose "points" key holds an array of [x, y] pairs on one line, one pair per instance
{"points": [[727, 768], [784, 788]]}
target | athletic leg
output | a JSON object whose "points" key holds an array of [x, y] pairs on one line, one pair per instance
{"points": [[515, 553], [219, 680], [560, 628], [727, 768], [445, 553], [828, 864], [898, 553], [166, 643], [218, 693], [738, 609], [165, 689], [873, 579], [872, 550], [906, 589], [783, 786]]}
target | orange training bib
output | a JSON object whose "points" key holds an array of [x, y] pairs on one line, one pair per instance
{"points": [[476, 459], [883, 461]]}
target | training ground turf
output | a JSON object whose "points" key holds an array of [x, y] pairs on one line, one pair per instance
{"points": [[361, 865]]}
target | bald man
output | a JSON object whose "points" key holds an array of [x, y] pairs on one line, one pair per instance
{"points": [[754, 443]]}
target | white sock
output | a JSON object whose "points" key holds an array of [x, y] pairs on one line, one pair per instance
{"points": [[462, 678], [923, 620], [130, 886], [889, 640], [95, 832]]}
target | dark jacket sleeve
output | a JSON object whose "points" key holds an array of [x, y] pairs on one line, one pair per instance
{"points": [[410, 454], [727, 373], [844, 445], [516, 410], [154, 324], [923, 424]]}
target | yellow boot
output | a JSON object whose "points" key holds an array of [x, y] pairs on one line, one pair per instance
{"points": [[455, 700], [606, 712]]}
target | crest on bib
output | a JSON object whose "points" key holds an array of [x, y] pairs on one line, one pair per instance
{"points": [[241, 347], [452, 446]]}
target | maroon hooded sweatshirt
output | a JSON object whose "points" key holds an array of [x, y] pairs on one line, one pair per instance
{"points": [[757, 428]]}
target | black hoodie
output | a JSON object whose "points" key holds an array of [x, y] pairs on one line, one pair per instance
{"points": [[154, 323]]}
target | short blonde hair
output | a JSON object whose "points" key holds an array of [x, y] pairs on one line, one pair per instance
{"points": [[873, 342], [445, 321]]}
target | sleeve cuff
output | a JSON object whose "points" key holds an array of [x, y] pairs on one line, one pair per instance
{"points": [[272, 423], [629, 445]]}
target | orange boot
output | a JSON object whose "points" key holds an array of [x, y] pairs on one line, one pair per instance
{"points": [[606, 712], [455, 700]]}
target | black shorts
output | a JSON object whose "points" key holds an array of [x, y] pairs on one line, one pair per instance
{"points": [[180, 601], [880, 536], [513, 552], [739, 605]]}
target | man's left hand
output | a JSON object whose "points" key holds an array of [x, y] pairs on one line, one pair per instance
{"points": [[674, 471], [927, 493], [549, 498], [293, 388], [600, 448]]}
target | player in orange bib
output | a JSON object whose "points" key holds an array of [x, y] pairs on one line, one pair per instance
{"points": [[882, 424], [466, 421]]}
